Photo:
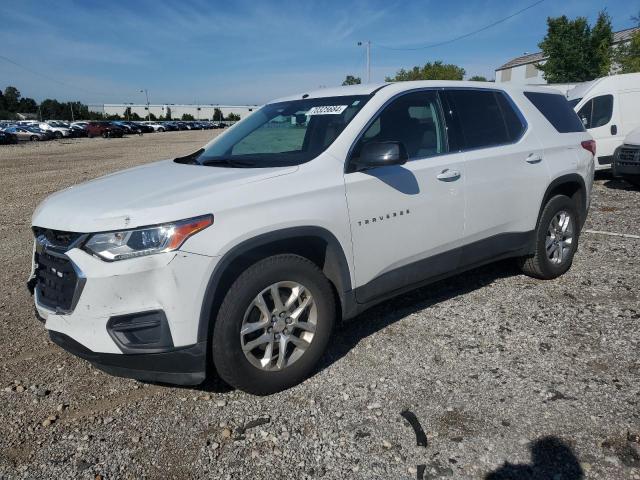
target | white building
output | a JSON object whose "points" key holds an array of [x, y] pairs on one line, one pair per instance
{"points": [[523, 71], [199, 112]]}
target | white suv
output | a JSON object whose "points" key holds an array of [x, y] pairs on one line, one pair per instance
{"points": [[245, 253]]}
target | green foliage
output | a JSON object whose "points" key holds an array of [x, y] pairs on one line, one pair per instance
{"points": [[429, 71], [351, 80], [152, 117], [576, 52], [478, 78], [217, 114], [187, 117], [233, 117], [167, 115], [11, 99], [627, 55]]}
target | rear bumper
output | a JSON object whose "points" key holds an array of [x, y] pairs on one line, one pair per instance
{"points": [[180, 366]]}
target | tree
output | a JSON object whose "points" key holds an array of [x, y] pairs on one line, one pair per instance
{"points": [[351, 80], [152, 117], [233, 117], [187, 117], [217, 114], [167, 115], [627, 56], [478, 78], [11, 99], [575, 52], [429, 71]]}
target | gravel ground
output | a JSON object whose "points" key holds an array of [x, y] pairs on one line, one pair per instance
{"points": [[501, 376]]}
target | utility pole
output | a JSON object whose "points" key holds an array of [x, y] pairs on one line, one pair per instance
{"points": [[71, 106], [367, 44], [148, 109]]}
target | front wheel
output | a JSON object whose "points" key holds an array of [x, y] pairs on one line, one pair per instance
{"points": [[274, 325], [35, 138], [556, 240]]}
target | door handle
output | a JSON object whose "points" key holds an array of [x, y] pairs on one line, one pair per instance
{"points": [[614, 129], [534, 158], [448, 175]]}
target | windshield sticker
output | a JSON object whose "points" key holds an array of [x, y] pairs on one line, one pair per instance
{"points": [[327, 110]]}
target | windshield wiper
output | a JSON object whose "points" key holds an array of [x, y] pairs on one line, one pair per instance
{"points": [[228, 162]]}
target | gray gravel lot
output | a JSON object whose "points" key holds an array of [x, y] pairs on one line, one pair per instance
{"points": [[493, 367]]}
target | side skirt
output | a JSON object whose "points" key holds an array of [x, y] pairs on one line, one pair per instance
{"points": [[436, 268]]}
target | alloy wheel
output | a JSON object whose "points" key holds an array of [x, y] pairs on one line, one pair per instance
{"points": [[279, 326], [559, 239]]}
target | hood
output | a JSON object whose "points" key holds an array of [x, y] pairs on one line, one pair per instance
{"points": [[149, 194], [633, 138]]}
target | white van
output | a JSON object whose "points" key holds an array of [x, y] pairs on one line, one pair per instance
{"points": [[609, 107]]}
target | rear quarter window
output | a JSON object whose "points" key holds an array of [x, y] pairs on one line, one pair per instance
{"points": [[557, 110]]}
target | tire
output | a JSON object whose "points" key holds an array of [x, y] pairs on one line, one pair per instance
{"points": [[34, 138], [161, 129], [58, 135], [548, 266], [105, 134], [234, 365]]}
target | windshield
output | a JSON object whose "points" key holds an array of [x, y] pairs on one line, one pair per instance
{"points": [[284, 133]]}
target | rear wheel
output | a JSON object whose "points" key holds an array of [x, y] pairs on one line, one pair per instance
{"points": [[556, 240], [161, 129], [274, 325], [58, 135], [34, 138], [105, 134]]}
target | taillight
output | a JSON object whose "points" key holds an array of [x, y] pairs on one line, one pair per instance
{"points": [[589, 145]]}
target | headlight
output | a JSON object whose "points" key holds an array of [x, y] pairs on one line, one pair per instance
{"points": [[139, 242]]}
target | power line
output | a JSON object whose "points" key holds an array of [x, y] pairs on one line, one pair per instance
{"points": [[466, 35], [47, 77]]}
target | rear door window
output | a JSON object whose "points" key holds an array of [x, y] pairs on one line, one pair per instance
{"points": [[557, 110], [486, 118]]}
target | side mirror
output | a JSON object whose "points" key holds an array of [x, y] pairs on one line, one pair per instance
{"points": [[381, 154]]}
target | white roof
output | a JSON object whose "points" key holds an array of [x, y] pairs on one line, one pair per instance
{"points": [[397, 87]]}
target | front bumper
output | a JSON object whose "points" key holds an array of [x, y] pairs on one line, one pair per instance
{"points": [[95, 328], [626, 161], [180, 366]]}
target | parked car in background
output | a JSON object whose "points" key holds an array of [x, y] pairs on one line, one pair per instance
{"points": [[626, 159], [171, 126], [26, 133], [129, 128], [434, 178], [609, 109], [157, 127], [143, 126], [8, 138], [58, 132], [104, 129], [79, 131]]}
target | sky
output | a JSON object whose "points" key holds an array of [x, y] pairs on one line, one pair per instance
{"points": [[251, 51]]}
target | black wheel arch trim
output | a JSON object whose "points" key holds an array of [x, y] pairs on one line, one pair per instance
{"points": [[567, 179], [336, 267]]}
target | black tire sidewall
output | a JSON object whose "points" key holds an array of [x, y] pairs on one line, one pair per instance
{"points": [[555, 205], [227, 352]]}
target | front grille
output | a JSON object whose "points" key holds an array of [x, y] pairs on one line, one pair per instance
{"points": [[629, 156], [56, 281], [57, 238]]}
